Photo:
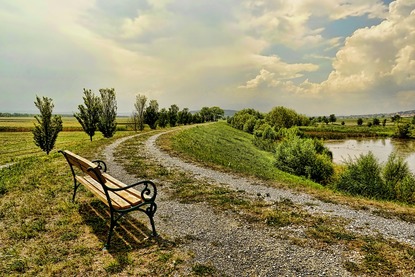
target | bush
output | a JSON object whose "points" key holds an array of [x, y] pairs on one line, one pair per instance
{"points": [[265, 137], [403, 131], [399, 179], [362, 177], [300, 157], [366, 177]]}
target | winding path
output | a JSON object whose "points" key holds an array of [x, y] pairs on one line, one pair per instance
{"points": [[238, 249]]}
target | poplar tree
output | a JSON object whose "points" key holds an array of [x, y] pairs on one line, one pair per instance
{"points": [[88, 115], [46, 131], [140, 104], [151, 114], [107, 124]]}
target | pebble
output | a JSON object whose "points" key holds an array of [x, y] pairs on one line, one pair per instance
{"points": [[237, 249]]}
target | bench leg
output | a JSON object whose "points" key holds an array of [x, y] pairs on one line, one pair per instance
{"points": [[75, 188], [112, 225], [150, 211]]}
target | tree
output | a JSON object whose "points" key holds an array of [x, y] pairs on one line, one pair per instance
{"points": [[360, 121], [151, 114], [140, 105], [206, 114], [107, 124], [376, 121], [332, 118], [88, 115], [163, 118], [396, 118], [239, 119], [281, 117], [173, 115], [197, 118], [184, 117], [46, 133], [217, 113]]}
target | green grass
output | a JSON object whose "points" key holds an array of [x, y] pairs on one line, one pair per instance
{"points": [[25, 124], [17, 142], [226, 148], [17, 145], [44, 234], [222, 147], [319, 231]]}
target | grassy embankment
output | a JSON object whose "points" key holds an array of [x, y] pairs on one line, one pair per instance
{"points": [[224, 148], [43, 233]]}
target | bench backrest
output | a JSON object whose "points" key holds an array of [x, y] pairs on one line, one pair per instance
{"points": [[84, 165]]}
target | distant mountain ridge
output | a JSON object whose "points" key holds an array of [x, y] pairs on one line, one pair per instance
{"points": [[409, 113]]}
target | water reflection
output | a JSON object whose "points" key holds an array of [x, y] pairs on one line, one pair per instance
{"points": [[381, 148]]}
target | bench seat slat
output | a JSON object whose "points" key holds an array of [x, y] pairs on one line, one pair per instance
{"points": [[118, 200], [120, 184]]}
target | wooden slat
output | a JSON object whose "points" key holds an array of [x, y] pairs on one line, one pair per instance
{"points": [[116, 183], [83, 164], [97, 189], [120, 199]]}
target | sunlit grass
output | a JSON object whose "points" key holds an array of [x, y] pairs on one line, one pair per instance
{"points": [[69, 123], [221, 146], [318, 231], [44, 234]]}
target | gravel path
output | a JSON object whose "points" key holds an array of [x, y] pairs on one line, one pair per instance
{"points": [[235, 248]]}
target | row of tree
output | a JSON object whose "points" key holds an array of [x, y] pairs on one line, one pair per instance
{"points": [[100, 112], [173, 116]]}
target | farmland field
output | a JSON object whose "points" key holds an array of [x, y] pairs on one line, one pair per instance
{"points": [[16, 138]]}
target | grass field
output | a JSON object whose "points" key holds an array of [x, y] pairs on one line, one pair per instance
{"points": [[44, 234], [26, 124]]}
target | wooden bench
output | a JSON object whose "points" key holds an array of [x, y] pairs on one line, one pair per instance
{"points": [[119, 197]]}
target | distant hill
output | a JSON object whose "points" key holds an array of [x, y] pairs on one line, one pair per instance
{"points": [[410, 113], [226, 112]]}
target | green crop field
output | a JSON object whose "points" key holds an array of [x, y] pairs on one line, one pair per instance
{"points": [[16, 138]]}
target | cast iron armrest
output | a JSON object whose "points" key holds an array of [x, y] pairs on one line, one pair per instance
{"points": [[101, 165], [148, 192]]}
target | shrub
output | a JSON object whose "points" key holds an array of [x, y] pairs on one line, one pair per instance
{"points": [[362, 177], [249, 125], [366, 177], [403, 130], [399, 179], [265, 138], [300, 157]]}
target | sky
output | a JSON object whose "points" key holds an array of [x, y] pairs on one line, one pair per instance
{"points": [[318, 57]]}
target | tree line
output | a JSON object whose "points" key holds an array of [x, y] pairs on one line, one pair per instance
{"points": [[151, 115], [100, 113]]}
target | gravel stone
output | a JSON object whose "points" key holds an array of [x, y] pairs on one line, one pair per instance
{"points": [[235, 248]]}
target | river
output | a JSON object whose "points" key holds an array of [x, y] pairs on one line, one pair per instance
{"points": [[381, 148]]}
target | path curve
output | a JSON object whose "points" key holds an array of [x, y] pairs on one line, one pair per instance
{"points": [[235, 248], [362, 221]]}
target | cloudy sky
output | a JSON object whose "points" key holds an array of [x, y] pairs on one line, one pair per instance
{"points": [[314, 56]]}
